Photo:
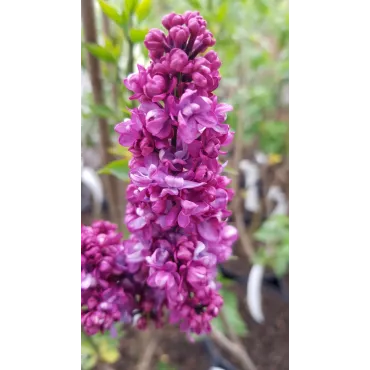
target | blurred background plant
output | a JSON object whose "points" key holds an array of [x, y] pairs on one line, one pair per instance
{"points": [[253, 45]]}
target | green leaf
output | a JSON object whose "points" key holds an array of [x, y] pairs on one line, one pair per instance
{"points": [[137, 35], [262, 7], [120, 151], [224, 280], [280, 265], [118, 168], [231, 311], [111, 12], [163, 366], [195, 3], [89, 358], [275, 234], [101, 111], [108, 351], [100, 52], [266, 235], [221, 13], [130, 6], [273, 230], [143, 9], [230, 171], [113, 48], [260, 257]]}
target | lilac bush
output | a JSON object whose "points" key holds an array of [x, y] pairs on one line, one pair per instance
{"points": [[177, 198]]}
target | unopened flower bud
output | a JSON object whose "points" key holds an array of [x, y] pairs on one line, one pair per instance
{"points": [[179, 35], [171, 20]]}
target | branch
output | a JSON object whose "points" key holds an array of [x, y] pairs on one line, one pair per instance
{"points": [[234, 349], [150, 343], [88, 20], [113, 70], [244, 237]]}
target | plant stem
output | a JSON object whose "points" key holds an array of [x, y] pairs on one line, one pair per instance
{"points": [[229, 330], [150, 342], [130, 61], [88, 20]]}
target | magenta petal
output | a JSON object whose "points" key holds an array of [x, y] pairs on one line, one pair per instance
{"points": [[197, 275], [140, 179], [170, 266], [221, 199], [122, 127], [208, 119], [172, 216], [188, 206], [158, 258], [209, 230], [166, 191], [172, 85], [169, 220], [152, 280], [151, 159], [183, 220], [148, 106], [187, 130], [221, 128], [154, 124], [230, 232], [202, 208], [137, 223], [159, 206], [187, 94], [158, 98], [161, 278], [125, 140], [165, 131]]}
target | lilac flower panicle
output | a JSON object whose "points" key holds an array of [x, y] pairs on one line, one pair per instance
{"points": [[177, 199]]}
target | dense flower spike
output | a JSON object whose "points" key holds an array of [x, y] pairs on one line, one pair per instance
{"points": [[178, 197], [113, 286]]}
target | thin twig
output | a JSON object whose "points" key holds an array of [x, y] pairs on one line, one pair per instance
{"points": [[229, 330], [245, 239], [236, 350]]}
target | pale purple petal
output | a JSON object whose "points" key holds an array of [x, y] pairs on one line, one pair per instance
{"points": [[137, 223], [174, 182], [191, 184]]}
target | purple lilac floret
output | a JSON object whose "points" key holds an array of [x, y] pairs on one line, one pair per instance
{"points": [[177, 199]]}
